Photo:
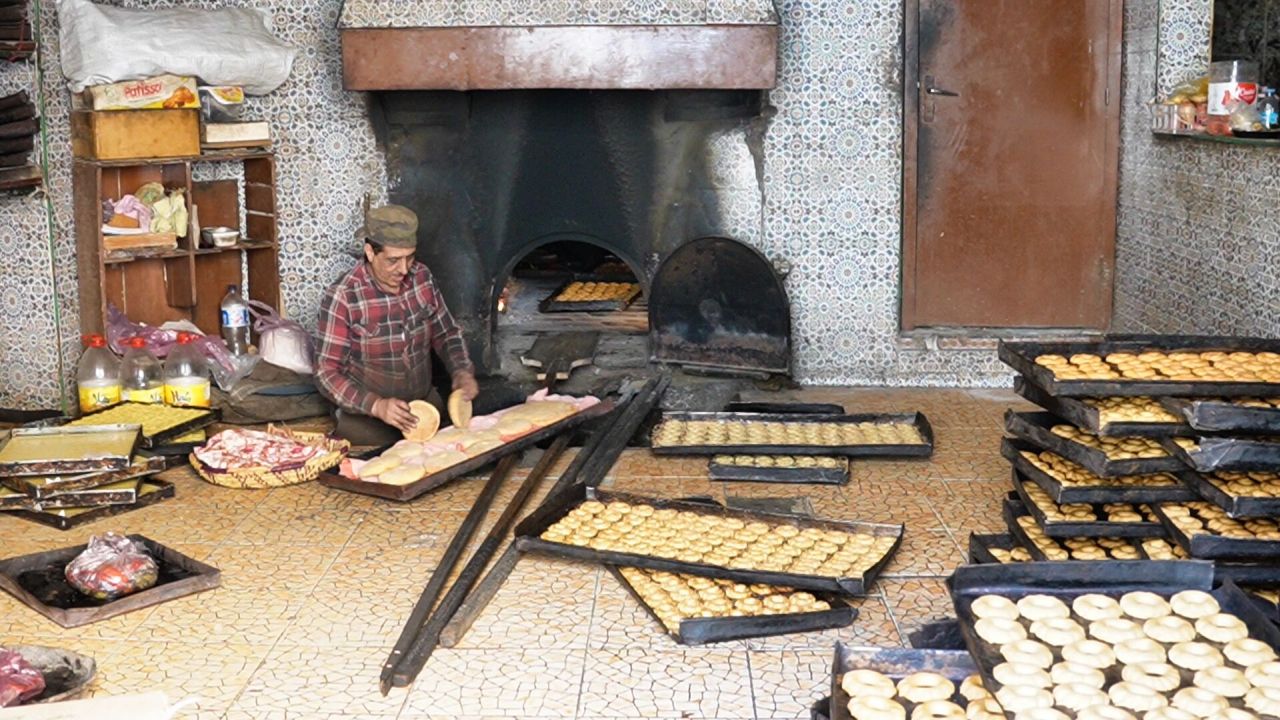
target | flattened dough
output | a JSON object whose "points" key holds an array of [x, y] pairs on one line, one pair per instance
{"points": [[459, 410], [428, 421], [402, 475]]}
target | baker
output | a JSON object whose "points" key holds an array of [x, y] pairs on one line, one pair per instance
{"points": [[378, 326]]}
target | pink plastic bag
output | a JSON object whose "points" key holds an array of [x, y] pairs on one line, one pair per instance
{"points": [[19, 680], [112, 566], [227, 369]]}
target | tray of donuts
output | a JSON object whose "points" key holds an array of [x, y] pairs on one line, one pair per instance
{"points": [[987, 548], [1084, 519], [1068, 482], [1108, 416], [1213, 453], [1206, 532], [1150, 365], [1240, 494], [860, 435], [804, 469], [696, 610], [1106, 457], [1238, 416], [1133, 637], [1024, 528], [870, 683], [698, 539], [1267, 599]]}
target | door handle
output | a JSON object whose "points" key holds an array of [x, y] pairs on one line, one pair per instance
{"points": [[931, 89]]}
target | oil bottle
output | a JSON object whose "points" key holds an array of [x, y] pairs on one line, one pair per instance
{"points": [[141, 374], [97, 375], [186, 375]]}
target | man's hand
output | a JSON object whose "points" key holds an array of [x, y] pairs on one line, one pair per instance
{"points": [[465, 382], [395, 413]]}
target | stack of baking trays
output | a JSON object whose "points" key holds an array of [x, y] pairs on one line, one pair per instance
{"points": [[96, 466]]}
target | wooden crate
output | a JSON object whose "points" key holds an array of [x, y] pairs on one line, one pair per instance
{"points": [[130, 134]]}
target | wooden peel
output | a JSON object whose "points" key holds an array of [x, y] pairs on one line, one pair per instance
{"points": [[459, 410], [428, 421]]}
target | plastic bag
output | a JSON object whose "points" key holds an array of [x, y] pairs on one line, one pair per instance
{"points": [[19, 680], [282, 342], [227, 369], [112, 566]]}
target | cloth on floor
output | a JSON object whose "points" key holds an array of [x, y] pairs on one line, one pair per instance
{"points": [[270, 394]]}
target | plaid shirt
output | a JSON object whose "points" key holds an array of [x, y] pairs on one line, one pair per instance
{"points": [[375, 345]]}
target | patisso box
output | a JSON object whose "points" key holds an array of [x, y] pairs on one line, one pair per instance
{"points": [[163, 92], [135, 134]]}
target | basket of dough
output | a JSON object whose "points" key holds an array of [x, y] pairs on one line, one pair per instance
{"points": [[276, 457]]}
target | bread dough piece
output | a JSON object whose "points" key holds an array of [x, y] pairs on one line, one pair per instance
{"points": [[1042, 714], [937, 710], [1093, 606], [1225, 681], [459, 410], [428, 421], [1199, 702], [1144, 605], [442, 460], [1160, 677], [1194, 655], [513, 426], [867, 683], [1140, 651], [1013, 674], [973, 689], [482, 446], [1017, 698], [999, 631], [402, 475], [1078, 696], [984, 709], [1169, 629], [876, 708], [1228, 714], [1058, 631], [1104, 712], [1092, 653], [1042, 607], [1194, 604], [377, 466], [541, 413], [1248, 652], [1116, 630], [1222, 627], [925, 686], [1027, 652], [1139, 698], [1168, 713], [1264, 700], [1071, 673], [994, 606]]}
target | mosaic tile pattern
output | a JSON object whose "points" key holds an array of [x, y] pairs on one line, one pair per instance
{"points": [[1185, 32], [637, 683], [393, 13]]}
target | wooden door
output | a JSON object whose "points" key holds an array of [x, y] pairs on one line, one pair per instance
{"points": [[1010, 150]]}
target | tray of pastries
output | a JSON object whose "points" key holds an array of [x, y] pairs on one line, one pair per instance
{"points": [[1205, 531], [121, 492], [996, 548], [1212, 453], [41, 487], [1240, 494], [1108, 416], [1069, 482], [1024, 528], [866, 435], [1243, 416], [1153, 366], [1103, 456], [696, 610], [1117, 640], [875, 683], [68, 450], [811, 469], [1086, 519], [590, 296], [150, 491], [696, 539], [160, 423]]}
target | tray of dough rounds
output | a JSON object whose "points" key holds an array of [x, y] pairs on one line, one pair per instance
{"points": [[1151, 366], [987, 548], [681, 537], [1069, 482], [1243, 416], [1110, 416], [1086, 520], [1267, 599], [160, 423], [586, 295], [698, 610], [1226, 628], [150, 491], [802, 469], [1211, 453], [1102, 456], [51, 486], [1024, 528], [861, 435], [1206, 532], [1240, 494], [939, 676]]}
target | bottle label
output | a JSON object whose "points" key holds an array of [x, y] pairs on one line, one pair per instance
{"points": [[96, 398], [189, 394], [150, 395], [236, 318], [1221, 95]]}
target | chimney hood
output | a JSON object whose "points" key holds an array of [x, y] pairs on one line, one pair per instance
{"points": [[559, 44]]}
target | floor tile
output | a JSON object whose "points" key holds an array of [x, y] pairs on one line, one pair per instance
{"points": [[528, 683], [371, 619], [638, 683], [786, 684], [917, 602], [560, 618], [213, 672], [225, 615], [620, 621], [925, 553], [311, 681], [247, 569]]}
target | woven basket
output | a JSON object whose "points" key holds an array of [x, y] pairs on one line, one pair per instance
{"points": [[263, 477]]}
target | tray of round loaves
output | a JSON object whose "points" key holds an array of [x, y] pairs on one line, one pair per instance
{"points": [[1109, 416], [862, 435], [1246, 416], [1117, 641], [1024, 528], [696, 539], [996, 548], [590, 296], [1205, 531], [697, 610], [1210, 454], [1068, 482], [870, 683], [810, 469], [1102, 456], [1086, 520], [1240, 494]]}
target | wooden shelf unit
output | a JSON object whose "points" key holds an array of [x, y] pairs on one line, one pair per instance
{"points": [[186, 283]]}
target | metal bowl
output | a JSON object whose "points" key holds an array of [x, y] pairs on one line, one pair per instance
{"points": [[66, 674], [220, 236]]}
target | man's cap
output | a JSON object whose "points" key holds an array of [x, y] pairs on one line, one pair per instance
{"points": [[391, 226]]}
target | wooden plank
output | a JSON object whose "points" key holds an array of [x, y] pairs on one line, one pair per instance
{"points": [[264, 276], [260, 228], [219, 203], [214, 272], [88, 219], [260, 198], [260, 171]]}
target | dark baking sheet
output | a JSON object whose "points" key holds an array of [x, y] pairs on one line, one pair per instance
{"points": [[918, 419], [785, 408], [1235, 505], [41, 488], [529, 530], [896, 663], [550, 304], [1217, 547], [1270, 610], [66, 467], [1217, 415], [804, 476], [1035, 429], [150, 492], [1263, 574], [1100, 528], [699, 631], [209, 417], [980, 546], [1085, 417], [1224, 453], [1013, 509], [404, 493], [1011, 449], [125, 494]]}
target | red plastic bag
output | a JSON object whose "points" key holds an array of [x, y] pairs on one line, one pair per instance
{"points": [[111, 567], [19, 680]]}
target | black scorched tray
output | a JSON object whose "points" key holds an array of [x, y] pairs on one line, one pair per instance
{"points": [[1237, 506], [981, 545], [1261, 574], [41, 488], [550, 304], [1013, 509], [529, 531], [404, 493], [920, 422], [1086, 417], [1021, 357], [1035, 428], [1217, 547], [1097, 528], [786, 408], [1012, 450], [782, 475], [896, 663], [1225, 453], [150, 492], [1220, 415], [699, 631]]}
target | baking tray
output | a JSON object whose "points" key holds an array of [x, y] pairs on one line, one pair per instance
{"points": [[1220, 415], [550, 304], [1262, 574], [1012, 450], [1225, 453], [408, 492], [1237, 506], [150, 492], [1217, 547], [37, 580], [1086, 417], [1269, 609], [529, 530], [118, 458], [699, 631], [783, 475], [1021, 357], [51, 486], [207, 418], [917, 451], [787, 408], [1035, 428], [980, 546], [123, 492], [896, 663], [1100, 528], [1013, 509]]}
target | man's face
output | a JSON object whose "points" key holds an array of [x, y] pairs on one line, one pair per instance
{"points": [[389, 266]]}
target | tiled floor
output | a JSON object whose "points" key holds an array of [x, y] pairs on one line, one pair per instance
{"points": [[317, 584]]}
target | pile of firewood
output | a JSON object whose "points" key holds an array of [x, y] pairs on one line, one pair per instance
{"points": [[18, 128]]}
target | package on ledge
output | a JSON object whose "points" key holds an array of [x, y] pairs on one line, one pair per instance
{"points": [[163, 92]]}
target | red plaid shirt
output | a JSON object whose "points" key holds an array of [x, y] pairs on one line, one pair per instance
{"points": [[375, 345]]}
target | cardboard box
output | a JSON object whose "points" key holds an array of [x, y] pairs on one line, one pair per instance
{"points": [[163, 92], [135, 134]]}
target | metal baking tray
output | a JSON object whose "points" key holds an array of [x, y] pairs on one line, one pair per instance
{"points": [[896, 663], [787, 408], [1263, 574], [120, 442], [980, 546], [1221, 415], [783, 475], [920, 422], [1270, 610], [1217, 547], [1014, 508], [1237, 506], [1021, 357], [123, 492], [408, 492], [51, 486], [1099, 528], [699, 631], [206, 418], [1086, 417], [150, 492], [1225, 453], [550, 304], [1012, 450], [1036, 429], [529, 531]]}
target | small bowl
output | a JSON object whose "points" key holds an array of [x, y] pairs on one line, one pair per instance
{"points": [[220, 236]]}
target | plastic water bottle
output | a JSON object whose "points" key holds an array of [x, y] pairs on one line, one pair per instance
{"points": [[235, 321], [141, 376], [1268, 107], [97, 375], [186, 375]]}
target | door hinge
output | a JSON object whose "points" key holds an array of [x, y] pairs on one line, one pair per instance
{"points": [[1106, 96]]}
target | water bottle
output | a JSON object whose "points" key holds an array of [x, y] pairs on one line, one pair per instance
{"points": [[186, 375], [141, 376], [235, 321], [97, 375], [1269, 109]]}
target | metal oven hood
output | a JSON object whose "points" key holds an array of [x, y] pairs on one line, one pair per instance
{"points": [[537, 44]]}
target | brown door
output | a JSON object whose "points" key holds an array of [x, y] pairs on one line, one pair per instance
{"points": [[1012, 127]]}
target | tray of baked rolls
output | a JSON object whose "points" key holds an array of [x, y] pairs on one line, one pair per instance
{"points": [[1096, 520], [1135, 637], [1212, 453], [1206, 532], [1102, 456], [696, 610], [868, 683], [1109, 416], [861, 435], [805, 469], [996, 548], [1024, 528], [1069, 482], [696, 539], [161, 424], [1240, 494], [1150, 365], [587, 295], [1245, 416]]}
